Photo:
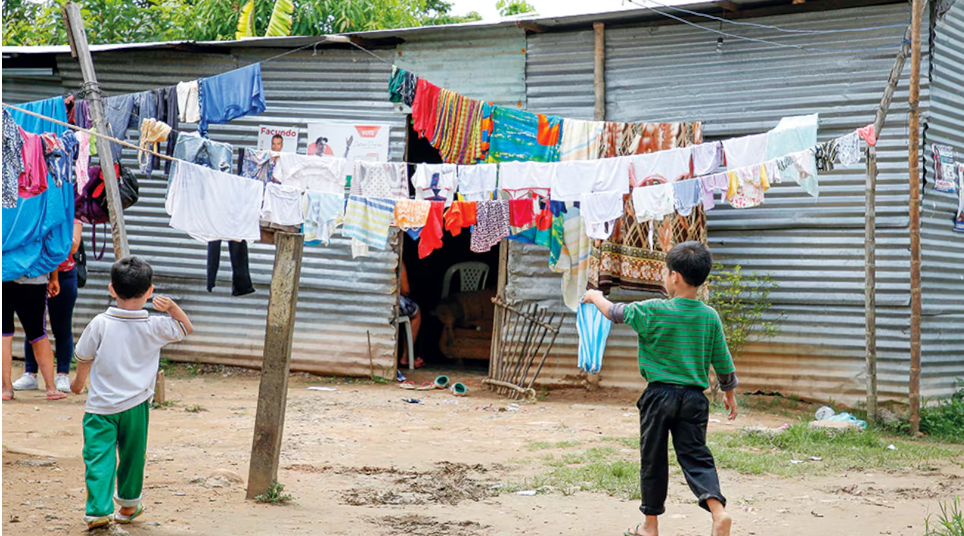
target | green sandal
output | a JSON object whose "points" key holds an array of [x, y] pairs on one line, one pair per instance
{"points": [[96, 522], [125, 519], [442, 382]]}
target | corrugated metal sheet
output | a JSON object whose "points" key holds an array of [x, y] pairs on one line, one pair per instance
{"points": [[812, 248], [340, 299], [484, 64], [942, 254], [24, 85]]}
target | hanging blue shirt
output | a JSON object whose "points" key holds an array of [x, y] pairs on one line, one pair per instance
{"points": [[230, 95], [53, 108]]}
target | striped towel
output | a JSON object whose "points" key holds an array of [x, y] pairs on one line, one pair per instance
{"points": [[367, 220], [593, 328], [580, 140], [323, 212]]}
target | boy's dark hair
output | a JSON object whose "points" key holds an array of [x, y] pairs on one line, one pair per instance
{"points": [[692, 260], [131, 277], [278, 136]]}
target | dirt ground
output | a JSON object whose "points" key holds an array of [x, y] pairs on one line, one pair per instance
{"points": [[358, 460]]}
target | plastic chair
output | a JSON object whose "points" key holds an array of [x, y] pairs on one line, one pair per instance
{"points": [[411, 340], [472, 276]]}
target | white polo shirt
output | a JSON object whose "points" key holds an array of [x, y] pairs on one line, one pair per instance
{"points": [[125, 349]]}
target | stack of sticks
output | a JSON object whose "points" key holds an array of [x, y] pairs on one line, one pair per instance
{"points": [[525, 333]]}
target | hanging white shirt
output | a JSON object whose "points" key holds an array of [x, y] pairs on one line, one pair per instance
{"points": [[525, 176], [653, 202], [662, 166], [476, 183], [436, 182], [599, 211], [188, 106], [324, 174], [282, 205], [213, 205], [745, 151]]}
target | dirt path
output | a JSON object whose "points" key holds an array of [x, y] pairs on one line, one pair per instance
{"points": [[360, 461]]}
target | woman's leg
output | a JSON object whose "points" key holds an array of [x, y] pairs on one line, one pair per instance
{"points": [[61, 309]]}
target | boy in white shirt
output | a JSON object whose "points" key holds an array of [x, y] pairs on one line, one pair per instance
{"points": [[121, 350]]}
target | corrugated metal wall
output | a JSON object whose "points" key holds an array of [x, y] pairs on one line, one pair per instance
{"points": [[812, 248], [340, 299], [486, 64], [25, 85], [942, 269]]}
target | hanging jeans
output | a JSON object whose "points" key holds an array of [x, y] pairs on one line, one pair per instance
{"points": [[61, 310], [240, 276]]}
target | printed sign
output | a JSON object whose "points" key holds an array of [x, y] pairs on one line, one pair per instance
{"points": [[354, 141], [281, 139]]}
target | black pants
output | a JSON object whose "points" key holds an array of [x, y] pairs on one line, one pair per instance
{"points": [[683, 411], [240, 274]]}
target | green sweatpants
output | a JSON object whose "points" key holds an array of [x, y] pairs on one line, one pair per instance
{"points": [[106, 437]]}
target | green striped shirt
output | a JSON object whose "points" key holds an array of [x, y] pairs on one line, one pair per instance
{"points": [[679, 339]]}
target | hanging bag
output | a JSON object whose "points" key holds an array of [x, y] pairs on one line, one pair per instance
{"points": [[80, 265]]}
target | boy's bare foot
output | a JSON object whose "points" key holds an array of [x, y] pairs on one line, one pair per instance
{"points": [[721, 524], [646, 528]]}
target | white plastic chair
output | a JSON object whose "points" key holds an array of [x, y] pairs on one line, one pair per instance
{"points": [[411, 340], [472, 276]]}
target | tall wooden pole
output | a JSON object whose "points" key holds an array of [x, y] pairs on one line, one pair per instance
{"points": [[914, 164], [79, 49], [599, 72], [273, 392]]}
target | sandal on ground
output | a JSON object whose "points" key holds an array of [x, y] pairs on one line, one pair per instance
{"points": [[57, 396], [125, 519], [459, 389], [442, 382], [409, 385], [426, 386], [8, 398], [97, 522]]}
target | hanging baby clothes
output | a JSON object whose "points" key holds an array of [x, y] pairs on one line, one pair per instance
{"points": [[593, 328], [317, 173], [710, 184], [436, 182], [600, 210], [33, 180], [652, 204], [387, 180], [868, 134], [661, 166], [187, 102], [848, 149], [425, 108], [477, 182], [282, 205], [123, 111], [430, 238], [801, 168], [492, 225], [520, 212], [824, 155], [687, 195], [12, 160], [524, 136], [745, 151], [152, 133], [367, 220], [323, 213], [458, 131], [230, 95], [212, 205], [623, 139], [257, 164], [460, 214], [411, 213], [580, 140], [707, 158], [747, 185]]}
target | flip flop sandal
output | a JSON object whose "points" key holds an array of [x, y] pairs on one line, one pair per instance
{"points": [[459, 389], [409, 385], [58, 396], [125, 519], [634, 532], [442, 382], [97, 522], [426, 386], [8, 398]]}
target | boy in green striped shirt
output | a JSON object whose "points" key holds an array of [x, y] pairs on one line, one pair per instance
{"points": [[679, 339]]}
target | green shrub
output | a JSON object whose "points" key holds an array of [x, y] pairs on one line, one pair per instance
{"points": [[945, 420]]}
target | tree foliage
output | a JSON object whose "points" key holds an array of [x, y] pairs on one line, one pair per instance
{"points": [[38, 22], [742, 301], [507, 8]]}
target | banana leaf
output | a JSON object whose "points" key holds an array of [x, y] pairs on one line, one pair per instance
{"points": [[246, 21], [280, 23]]}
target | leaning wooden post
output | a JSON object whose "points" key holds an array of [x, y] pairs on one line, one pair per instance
{"points": [[273, 393], [917, 8], [599, 71]]}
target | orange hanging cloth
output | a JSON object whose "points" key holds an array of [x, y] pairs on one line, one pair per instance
{"points": [[460, 214], [430, 238]]}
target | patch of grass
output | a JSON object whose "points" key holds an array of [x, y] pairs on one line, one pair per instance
{"points": [[545, 445], [950, 522], [195, 408], [599, 469], [167, 366], [945, 421], [275, 495], [163, 405]]}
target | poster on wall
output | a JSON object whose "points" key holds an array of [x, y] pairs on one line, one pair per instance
{"points": [[280, 139], [959, 216], [354, 141]]}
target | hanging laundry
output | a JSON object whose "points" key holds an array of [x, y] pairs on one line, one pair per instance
{"points": [[580, 140], [211, 205], [83, 159], [230, 95], [430, 238], [747, 185], [945, 168], [38, 232], [69, 105], [745, 151], [123, 111], [411, 213], [652, 204], [33, 180], [82, 114], [13, 166], [257, 164], [791, 135], [825, 154], [240, 273], [622, 139], [425, 108], [388, 180], [520, 212], [517, 177], [53, 108], [189, 109], [173, 118], [492, 225], [868, 134], [668, 165], [573, 257], [323, 213], [600, 210], [282, 205], [60, 157], [367, 220], [436, 182], [544, 217], [848, 149], [401, 86], [193, 148], [460, 214], [571, 180], [707, 158], [710, 184], [687, 195], [458, 131], [593, 328], [152, 133], [320, 174], [524, 136], [801, 168], [477, 182]]}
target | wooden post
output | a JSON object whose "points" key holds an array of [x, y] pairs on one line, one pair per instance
{"points": [[273, 393], [599, 71], [79, 49], [917, 7]]}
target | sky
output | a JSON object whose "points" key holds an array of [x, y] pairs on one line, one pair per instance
{"points": [[545, 8]]}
